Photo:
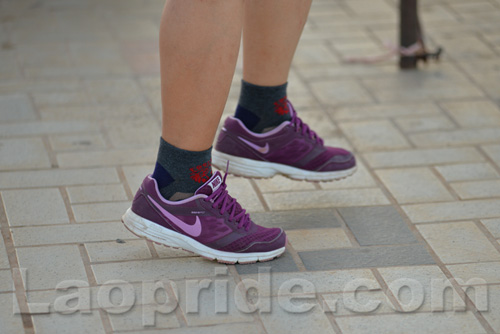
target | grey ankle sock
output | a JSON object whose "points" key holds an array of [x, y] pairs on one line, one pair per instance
{"points": [[179, 173], [262, 108]]}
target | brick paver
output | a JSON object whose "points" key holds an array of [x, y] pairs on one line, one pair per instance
{"points": [[80, 118]]}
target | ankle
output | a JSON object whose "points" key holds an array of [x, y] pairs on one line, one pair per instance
{"points": [[179, 172], [262, 108]]}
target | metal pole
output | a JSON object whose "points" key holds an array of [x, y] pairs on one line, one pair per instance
{"points": [[409, 31]]}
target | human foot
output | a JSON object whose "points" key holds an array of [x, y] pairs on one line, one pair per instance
{"points": [[210, 223], [291, 149]]}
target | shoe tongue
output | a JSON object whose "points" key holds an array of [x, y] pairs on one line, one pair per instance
{"points": [[211, 185]]}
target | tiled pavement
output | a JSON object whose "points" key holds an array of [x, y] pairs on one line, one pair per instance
{"points": [[79, 126]]}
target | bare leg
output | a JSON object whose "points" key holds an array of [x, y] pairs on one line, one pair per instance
{"points": [[270, 36], [199, 43]]}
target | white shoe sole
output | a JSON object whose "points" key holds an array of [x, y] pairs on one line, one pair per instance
{"points": [[263, 169], [147, 229]]}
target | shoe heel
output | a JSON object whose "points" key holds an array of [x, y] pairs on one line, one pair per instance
{"points": [[242, 166]]}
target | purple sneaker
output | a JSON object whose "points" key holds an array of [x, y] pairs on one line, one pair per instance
{"points": [[291, 149], [210, 223]]}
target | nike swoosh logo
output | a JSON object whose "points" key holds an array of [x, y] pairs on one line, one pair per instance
{"points": [[193, 230], [261, 149]]}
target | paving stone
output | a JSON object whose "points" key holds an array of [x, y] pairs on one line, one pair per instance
{"points": [[45, 99], [353, 48], [4, 260], [366, 257], [371, 8], [70, 233], [45, 128], [361, 179], [9, 68], [104, 193], [11, 323], [129, 133], [340, 92], [456, 137], [296, 85], [443, 82], [114, 251], [115, 295], [133, 320], [492, 315], [6, 282], [206, 311], [242, 189], [317, 120], [438, 13], [26, 153], [493, 225], [422, 157], [420, 124], [63, 70], [47, 266], [136, 174], [169, 252], [88, 323], [422, 280], [374, 135], [106, 158], [57, 177], [363, 298], [42, 53], [94, 113], [340, 71], [446, 322], [284, 263], [485, 72], [477, 189], [114, 90], [414, 185], [46, 207], [323, 281], [282, 321], [494, 152], [326, 198], [480, 6], [472, 209], [488, 271], [297, 219], [241, 328], [309, 52], [473, 114], [313, 239], [324, 33], [459, 242], [16, 107], [381, 225], [385, 110], [466, 172], [140, 28], [96, 53], [280, 183], [157, 269], [467, 47], [77, 142], [87, 68], [492, 37], [100, 211]]}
